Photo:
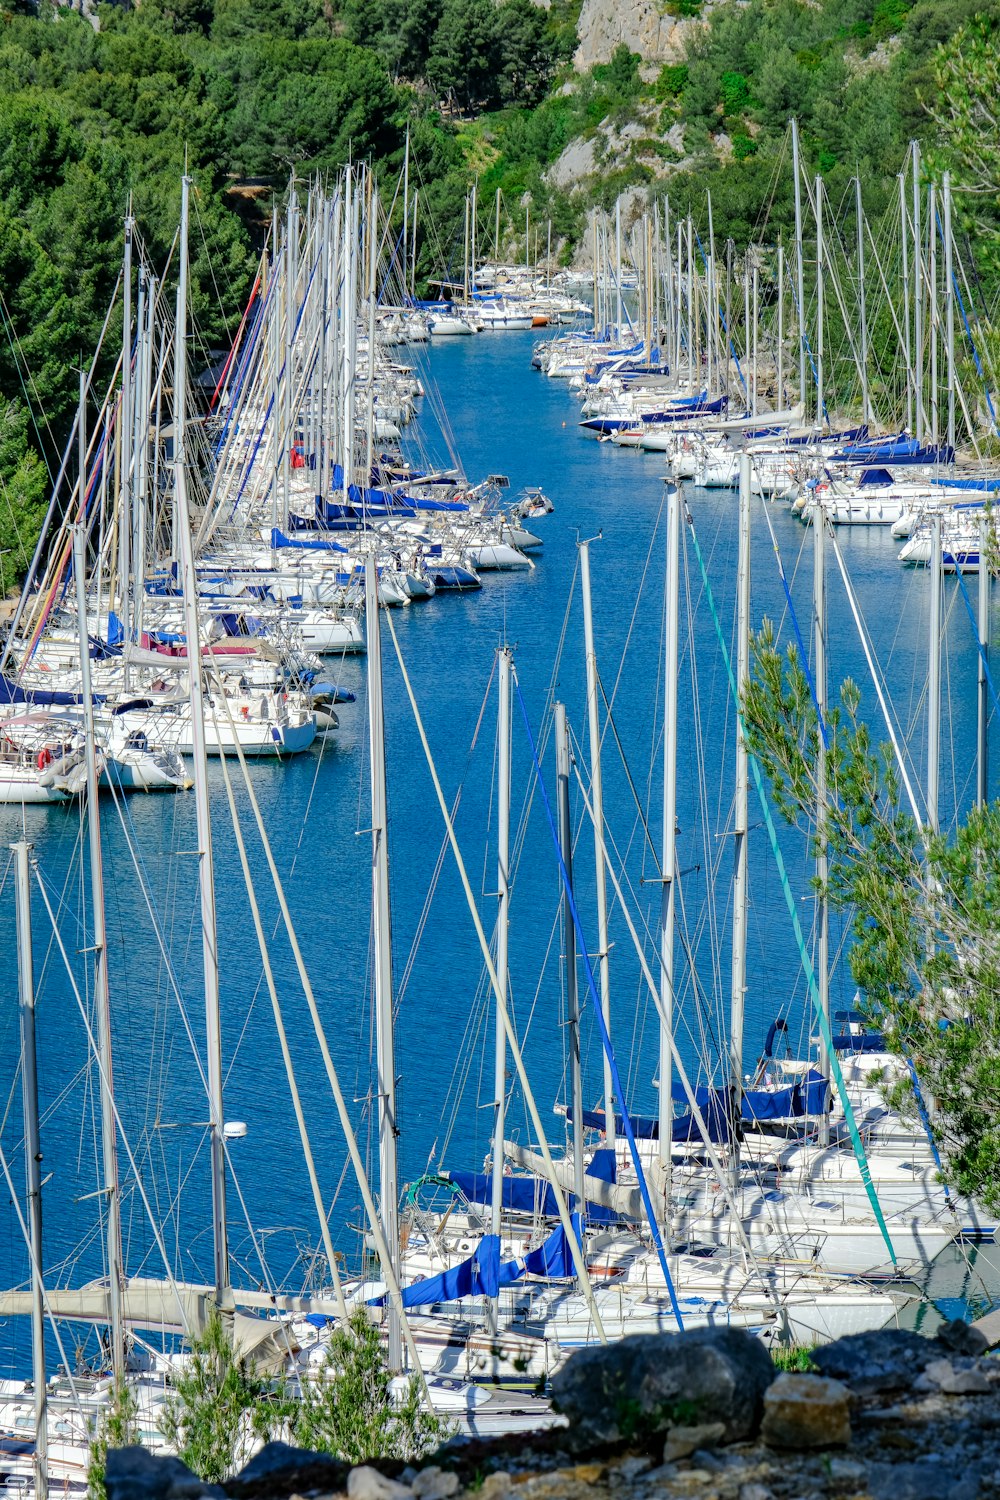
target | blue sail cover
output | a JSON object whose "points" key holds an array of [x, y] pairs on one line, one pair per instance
{"points": [[479, 1276], [982, 486], [314, 544], [859, 1041], [899, 450], [806, 1098], [10, 692], [530, 1195], [807, 439], [482, 1275]]}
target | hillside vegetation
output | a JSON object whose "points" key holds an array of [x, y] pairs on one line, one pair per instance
{"points": [[251, 91]]}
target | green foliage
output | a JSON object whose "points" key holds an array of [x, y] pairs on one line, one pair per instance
{"points": [[888, 18], [735, 88], [754, 65], [347, 1407], [483, 55], [117, 1427], [922, 907], [963, 96], [796, 1359], [671, 80], [621, 75], [23, 493], [220, 1407]]}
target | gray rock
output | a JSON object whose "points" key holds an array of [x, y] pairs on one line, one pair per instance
{"points": [[871, 1362], [640, 1387], [704, 1458], [754, 1491], [683, 1441], [135, 1474], [434, 1484], [366, 1483], [279, 1469], [630, 1468], [847, 1471], [495, 1487], [806, 1411], [661, 1475], [920, 1480], [961, 1338], [969, 1382]]}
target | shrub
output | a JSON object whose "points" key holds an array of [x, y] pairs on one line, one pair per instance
{"points": [[116, 1428], [220, 1407], [671, 80], [347, 1408]]}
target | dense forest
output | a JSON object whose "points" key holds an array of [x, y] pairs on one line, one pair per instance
{"points": [[249, 92]]}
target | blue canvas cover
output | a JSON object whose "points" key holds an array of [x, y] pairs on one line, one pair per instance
{"points": [[530, 1195], [482, 1275]]}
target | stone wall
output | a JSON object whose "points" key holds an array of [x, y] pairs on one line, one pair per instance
{"points": [[640, 24]]}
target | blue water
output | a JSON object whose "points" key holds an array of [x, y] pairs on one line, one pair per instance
{"points": [[503, 418]]}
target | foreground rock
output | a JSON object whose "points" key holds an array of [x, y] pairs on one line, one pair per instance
{"points": [[805, 1412], [700, 1415], [642, 1387]]}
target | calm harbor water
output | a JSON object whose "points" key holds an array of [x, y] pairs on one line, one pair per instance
{"points": [[501, 417]]}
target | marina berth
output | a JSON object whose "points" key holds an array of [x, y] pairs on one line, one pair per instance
{"points": [[476, 986]]}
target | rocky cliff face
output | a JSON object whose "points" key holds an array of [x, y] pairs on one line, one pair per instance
{"points": [[640, 24]]}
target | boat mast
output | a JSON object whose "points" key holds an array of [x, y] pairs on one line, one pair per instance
{"points": [[140, 444], [740, 821], [713, 304], [681, 294], [918, 299], [986, 535], [465, 255], [413, 258], [618, 269], [287, 427], [668, 872], [668, 282], [321, 469], [32, 1160], [932, 308], [751, 396], [822, 863], [348, 329], [904, 233], [124, 442], [820, 394], [569, 945], [949, 304], [371, 227], [109, 1142], [862, 301], [800, 281], [597, 802], [406, 205], [594, 252], [934, 678], [473, 215], [780, 357], [756, 325], [206, 865], [382, 943], [503, 937], [274, 293]]}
